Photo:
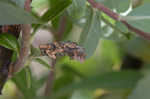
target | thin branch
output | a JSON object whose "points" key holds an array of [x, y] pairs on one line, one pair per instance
{"points": [[116, 17], [50, 81], [24, 51], [62, 26]]}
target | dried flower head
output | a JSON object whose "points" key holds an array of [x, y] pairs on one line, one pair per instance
{"points": [[55, 49]]}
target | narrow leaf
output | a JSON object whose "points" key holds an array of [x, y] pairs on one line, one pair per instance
{"points": [[43, 62]]}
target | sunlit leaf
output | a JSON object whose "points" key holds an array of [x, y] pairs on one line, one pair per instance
{"points": [[9, 41], [82, 94], [55, 10]]}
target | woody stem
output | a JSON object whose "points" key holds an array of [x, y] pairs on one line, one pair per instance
{"points": [[50, 80]]}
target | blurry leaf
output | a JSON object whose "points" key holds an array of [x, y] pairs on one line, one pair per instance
{"points": [[82, 94], [68, 25], [56, 22], [35, 51], [21, 81], [122, 27], [136, 3], [132, 46], [77, 9], [14, 57], [43, 62], [65, 79], [12, 14], [91, 33], [119, 5], [111, 81], [19, 2], [115, 95], [38, 5], [142, 90], [109, 19], [144, 21], [27, 84], [9, 41], [55, 10]]}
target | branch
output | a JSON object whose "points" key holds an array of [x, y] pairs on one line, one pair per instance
{"points": [[116, 17], [24, 51], [49, 83], [61, 28]]}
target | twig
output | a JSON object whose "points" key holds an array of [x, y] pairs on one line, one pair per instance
{"points": [[24, 51], [62, 26], [50, 81], [116, 17]]}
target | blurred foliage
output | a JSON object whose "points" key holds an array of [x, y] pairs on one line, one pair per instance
{"points": [[107, 42]]}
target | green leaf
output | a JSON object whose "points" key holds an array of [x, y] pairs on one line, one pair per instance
{"points": [[91, 33], [55, 10], [43, 62], [142, 90], [19, 2], [27, 84], [12, 14], [9, 41], [140, 17], [38, 5], [122, 27], [119, 5], [21, 79], [68, 27], [82, 94], [35, 52], [110, 81], [14, 56], [77, 9]]}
